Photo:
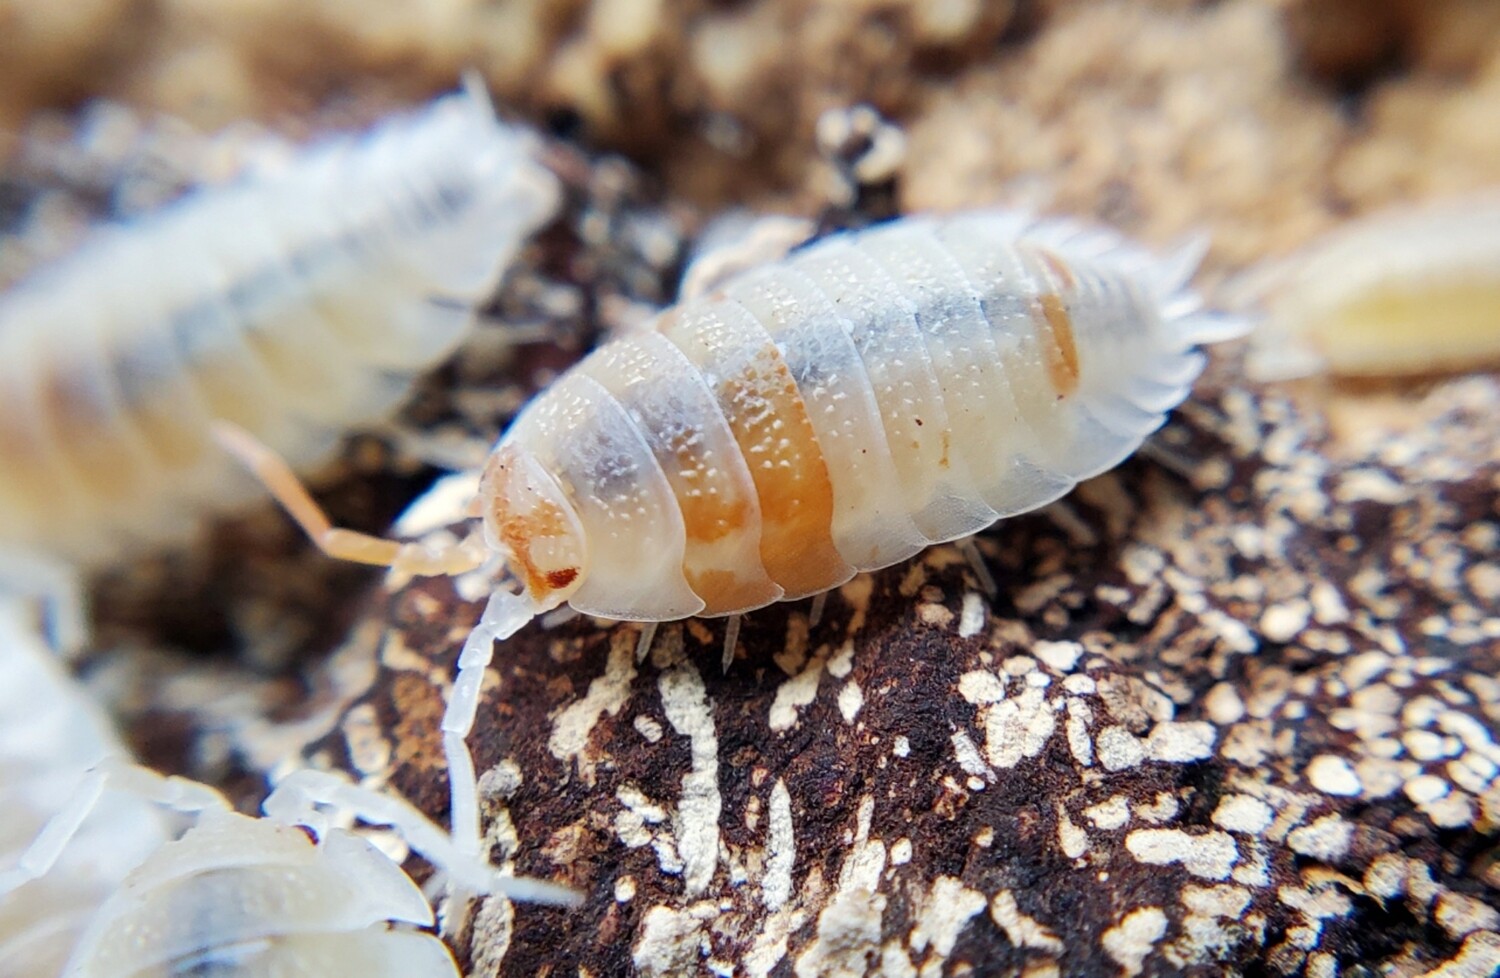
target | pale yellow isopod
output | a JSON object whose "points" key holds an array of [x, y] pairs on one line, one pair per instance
{"points": [[1403, 292]]}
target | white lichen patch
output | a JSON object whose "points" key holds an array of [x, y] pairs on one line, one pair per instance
{"points": [[673, 941], [851, 699], [1109, 815], [1021, 930], [1134, 938], [1243, 814], [849, 926], [1209, 855], [1333, 775], [696, 819], [1326, 838], [1018, 727], [1060, 657], [797, 692], [981, 687], [972, 615], [1118, 749], [968, 756], [946, 910], [1178, 743], [569, 740], [781, 849]]}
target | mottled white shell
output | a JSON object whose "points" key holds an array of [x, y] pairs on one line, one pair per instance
{"points": [[297, 304], [1407, 291], [845, 407]]}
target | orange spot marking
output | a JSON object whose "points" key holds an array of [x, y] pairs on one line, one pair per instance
{"points": [[947, 443], [519, 530], [709, 510], [1059, 348], [769, 420]]}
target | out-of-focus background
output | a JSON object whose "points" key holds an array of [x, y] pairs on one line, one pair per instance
{"points": [[1263, 120]]}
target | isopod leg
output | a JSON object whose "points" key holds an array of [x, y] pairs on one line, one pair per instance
{"points": [[504, 615], [296, 797], [177, 794], [970, 550], [406, 558], [815, 610], [643, 644], [731, 639]]}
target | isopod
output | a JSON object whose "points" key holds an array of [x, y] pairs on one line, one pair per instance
{"points": [[1404, 292], [96, 878], [836, 411], [50, 733], [297, 303], [289, 894]]}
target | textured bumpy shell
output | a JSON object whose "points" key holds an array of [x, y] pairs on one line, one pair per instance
{"points": [[296, 304], [254, 898], [840, 410], [50, 734], [1411, 291]]}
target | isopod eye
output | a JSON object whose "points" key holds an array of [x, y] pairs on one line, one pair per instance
{"points": [[528, 518]]}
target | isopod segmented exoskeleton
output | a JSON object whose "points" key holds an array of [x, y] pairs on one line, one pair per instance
{"points": [[836, 411], [95, 880], [289, 894], [1402, 292], [297, 303], [50, 734]]}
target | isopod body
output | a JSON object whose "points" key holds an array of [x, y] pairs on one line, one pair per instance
{"points": [[50, 733], [838, 411], [297, 303], [1404, 292]]}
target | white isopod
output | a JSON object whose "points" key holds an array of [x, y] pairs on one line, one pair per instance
{"points": [[286, 895], [50, 733], [93, 883], [297, 303], [1402, 292], [836, 411]]}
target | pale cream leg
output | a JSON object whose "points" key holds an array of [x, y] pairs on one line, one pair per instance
{"points": [[731, 639], [815, 610], [970, 550], [643, 644], [283, 484]]}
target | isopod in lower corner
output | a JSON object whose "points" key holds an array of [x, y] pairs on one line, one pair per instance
{"points": [[97, 879], [298, 303], [836, 411], [1404, 292]]}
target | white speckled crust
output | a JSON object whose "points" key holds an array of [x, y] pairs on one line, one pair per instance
{"points": [[848, 406], [1403, 292], [297, 303]]}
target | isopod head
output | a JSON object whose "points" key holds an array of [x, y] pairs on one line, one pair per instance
{"points": [[529, 519]]}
